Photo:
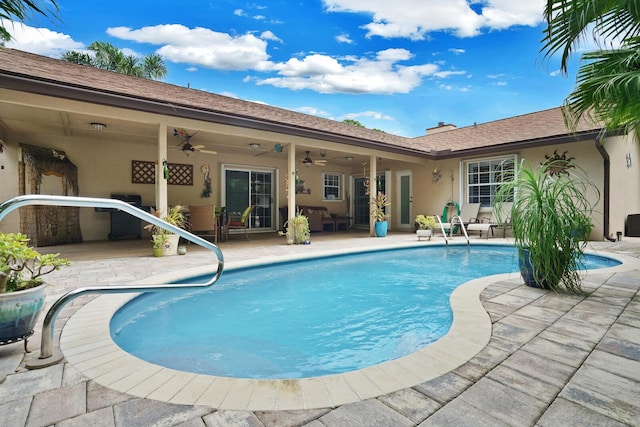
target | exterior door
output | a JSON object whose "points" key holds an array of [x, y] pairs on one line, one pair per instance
{"points": [[361, 212], [404, 201], [250, 187]]}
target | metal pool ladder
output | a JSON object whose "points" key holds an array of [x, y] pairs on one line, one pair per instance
{"points": [[455, 220], [47, 357]]}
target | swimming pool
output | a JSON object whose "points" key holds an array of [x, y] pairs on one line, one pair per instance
{"points": [[309, 318]]}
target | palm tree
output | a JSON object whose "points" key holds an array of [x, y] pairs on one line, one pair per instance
{"points": [[608, 79], [79, 58], [19, 10], [108, 57]]}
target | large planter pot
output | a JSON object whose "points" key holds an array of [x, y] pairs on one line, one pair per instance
{"points": [[19, 312], [171, 244], [526, 271], [424, 234], [381, 228]]}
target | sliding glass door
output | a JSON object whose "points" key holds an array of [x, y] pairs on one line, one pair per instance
{"points": [[244, 187]]}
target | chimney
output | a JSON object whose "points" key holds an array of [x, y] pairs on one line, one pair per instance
{"points": [[442, 127]]}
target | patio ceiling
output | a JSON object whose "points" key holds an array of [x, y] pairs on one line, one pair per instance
{"points": [[26, 121]]}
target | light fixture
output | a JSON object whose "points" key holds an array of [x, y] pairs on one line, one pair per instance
{"points": [[188, 148], [437, 175], [348, 158], [254, 145], [98, 126], [307, 160]]}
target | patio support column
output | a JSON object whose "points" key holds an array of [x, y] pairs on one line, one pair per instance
{"points": [[291, 181], [373, 191], [162, 201]]}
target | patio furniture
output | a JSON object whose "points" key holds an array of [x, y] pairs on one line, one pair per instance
{"points": [[487, 225], [319, 218], [203, 221], [239, 222], [469, 213]]}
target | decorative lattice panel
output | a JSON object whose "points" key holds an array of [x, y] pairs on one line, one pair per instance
{"points": [[143, 172], [180, 174]]}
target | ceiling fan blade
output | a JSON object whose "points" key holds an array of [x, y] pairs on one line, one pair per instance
{"points": [[207, 152], [320, 162], [198, 147]]}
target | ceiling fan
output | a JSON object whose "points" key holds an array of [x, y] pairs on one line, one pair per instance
{"points": [[186, 147], [320, 162], [277, 148]]}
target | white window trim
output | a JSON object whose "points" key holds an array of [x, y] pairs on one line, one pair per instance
{"points": [[464, 188], [341, 188]]}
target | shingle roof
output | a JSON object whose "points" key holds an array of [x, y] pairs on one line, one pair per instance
{"points": [[528, 127], [58, 71]]}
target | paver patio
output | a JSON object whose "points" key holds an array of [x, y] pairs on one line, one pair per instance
{"points": [[552, 360]]}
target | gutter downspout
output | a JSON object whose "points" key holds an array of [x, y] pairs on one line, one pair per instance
{"points": [[607, 183]]}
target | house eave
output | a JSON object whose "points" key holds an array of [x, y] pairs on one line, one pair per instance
{"points": [[519, 145], [23, 83]]}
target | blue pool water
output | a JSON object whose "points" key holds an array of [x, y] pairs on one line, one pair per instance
{"points": [[309, 318]]}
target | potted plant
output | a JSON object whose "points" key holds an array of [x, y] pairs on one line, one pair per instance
{"points": [[158, 244], [551, 219], [380, 202], [425, 223], [164, 238], [298, 229], [22, 291]]}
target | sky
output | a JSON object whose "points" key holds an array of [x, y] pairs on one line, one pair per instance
{"points": [[400, 66]]}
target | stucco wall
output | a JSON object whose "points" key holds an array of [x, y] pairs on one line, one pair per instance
{"points": [[9, 184], [430, 197], [625, 180], [104, 168]]}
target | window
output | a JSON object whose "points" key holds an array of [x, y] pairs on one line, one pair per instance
{"points": [[332, 186], [485, 176]]}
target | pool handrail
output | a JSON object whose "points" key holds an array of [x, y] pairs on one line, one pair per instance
{"points": [[451, 224], [46, 347], [462, 227]]}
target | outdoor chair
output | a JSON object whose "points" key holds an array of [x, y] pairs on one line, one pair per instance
{"points": [[469, 213], [487, 225], [239, 222], [203, 221]]}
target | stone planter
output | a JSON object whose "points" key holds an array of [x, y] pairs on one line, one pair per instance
{"points": [[171, 244], [19, 312], [424, 234]]}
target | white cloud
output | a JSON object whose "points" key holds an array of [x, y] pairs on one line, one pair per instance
{"points": [[415, 19], [457, 51], [325, 74], [268, 35], [385, 72], [41, 41], [376, 115], [344, 38], [239, 12], [200, 46], [445, 74], [314, 111]]}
